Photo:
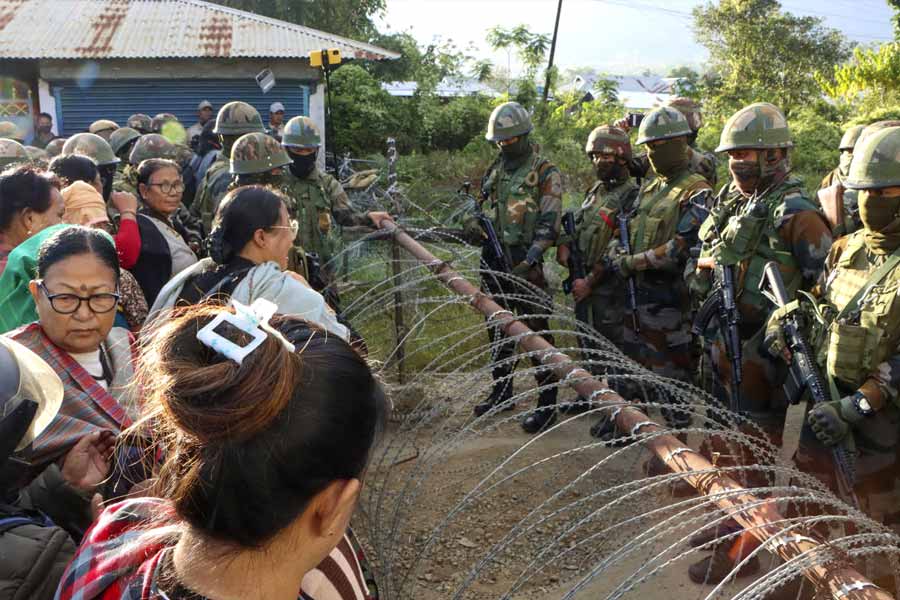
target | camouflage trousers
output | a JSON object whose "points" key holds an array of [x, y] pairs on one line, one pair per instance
{"points": [[662, 344], [520, 300], [605, 313]]}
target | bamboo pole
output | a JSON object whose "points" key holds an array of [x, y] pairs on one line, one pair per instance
{"points": [[760, 518]]}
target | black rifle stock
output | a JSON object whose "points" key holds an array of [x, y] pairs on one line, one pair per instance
{"points": [[804, 375], [630, 289], [498, 261], [577, 269], [722, 306]]}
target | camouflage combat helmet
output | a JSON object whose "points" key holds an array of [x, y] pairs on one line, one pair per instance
{"points": [[92, 145], [238, 118], [876, 161], [11, 152], [120, 138], [873, 128], [257, 153], [610, 140], [10, 131], [141, 122], [760, 126], [690, 109], [508, 120], [301, 132], [157, 122], [663, 123], [151, 145], [848, 140], [102, 125], [54, 147]]}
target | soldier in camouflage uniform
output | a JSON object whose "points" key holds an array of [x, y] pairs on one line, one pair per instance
{"points": [[523, 192], [12, 153], [599, 299], [661, 231], [858, 338], [318, 203], [95, 147], [838, 205], [151, 145], [104, 128], [234, 120], [702, 163], [140, 122], [763, 215], [122, 141]]}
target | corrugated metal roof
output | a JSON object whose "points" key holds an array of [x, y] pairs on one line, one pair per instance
{"points": [[97, 29]]}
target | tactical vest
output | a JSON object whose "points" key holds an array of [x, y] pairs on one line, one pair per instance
{"points": [[852, 346], [659, 210], [596, 222], [751, 240], [312, 209], [516, 199], [126, 180]]}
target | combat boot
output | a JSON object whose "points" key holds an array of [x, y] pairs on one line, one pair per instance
{"points": [[500, 394], [544, 415]]}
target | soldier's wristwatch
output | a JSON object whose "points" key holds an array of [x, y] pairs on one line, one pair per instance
{"points": [[861, 404]]}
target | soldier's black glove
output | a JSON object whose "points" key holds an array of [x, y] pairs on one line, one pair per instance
{"points": [[831, 421]]}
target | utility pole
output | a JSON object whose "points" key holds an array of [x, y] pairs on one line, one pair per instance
{"points": [[552, 51]]}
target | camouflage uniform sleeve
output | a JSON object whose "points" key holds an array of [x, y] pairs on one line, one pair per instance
{"points": [[674, 254], [546, 229], [707, 167], [340, 204], [808, 235]]}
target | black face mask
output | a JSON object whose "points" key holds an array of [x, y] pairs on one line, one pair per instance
{"points": [[44, 128], [107, 172], [303, 165], [514, 154]]}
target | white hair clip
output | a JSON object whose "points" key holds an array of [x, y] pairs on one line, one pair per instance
{"points": [[252, 320]]}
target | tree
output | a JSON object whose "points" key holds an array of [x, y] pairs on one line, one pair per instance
{"points": [[895, 4], [761, 53], [530, 48], [348, 18], [871, 78]]}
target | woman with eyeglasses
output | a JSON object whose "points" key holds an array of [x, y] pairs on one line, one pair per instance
{"points": [[165, 249], [249, 244], [76, 292]]}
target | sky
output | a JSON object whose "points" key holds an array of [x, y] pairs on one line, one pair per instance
{"points": [[613, 36]]}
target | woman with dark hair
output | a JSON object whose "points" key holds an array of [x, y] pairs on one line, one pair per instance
{"points": [[165, 249], [248, 248], [29, 201], [76, 167], [76, 292], [265, 458]]}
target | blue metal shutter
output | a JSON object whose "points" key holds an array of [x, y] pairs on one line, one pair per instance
{"points": [[118, 99]]}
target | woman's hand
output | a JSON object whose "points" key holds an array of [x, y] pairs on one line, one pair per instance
{"points": [[125, 203], [87, 463]]}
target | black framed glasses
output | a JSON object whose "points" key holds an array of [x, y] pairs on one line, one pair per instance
{"points": [[66, 304], [167, 187]]}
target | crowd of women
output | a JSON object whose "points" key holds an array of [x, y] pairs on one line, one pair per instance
{"points": [[189, 443]]}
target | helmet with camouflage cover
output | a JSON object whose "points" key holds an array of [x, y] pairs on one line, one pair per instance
{"points": [[663, 123], [120, 138], [876, 161], [760, 126], [141, 122], [10, 131], [690, 109], [11, 152], [238, 118], [609, 140], [103, 125], [37, 155], [301, 132], [508, 120], [157, 122], [54, 147], [149, 146], [848, 140], [874, 128], [257, 153], [92, 145]]}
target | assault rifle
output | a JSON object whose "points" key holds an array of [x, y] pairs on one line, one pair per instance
{"points": [[804, 376], [496, 259], [576, 258], [722, 306], [630, 289]]}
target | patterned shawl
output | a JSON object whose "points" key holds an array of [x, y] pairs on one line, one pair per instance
{"points": [[86, 406]]}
